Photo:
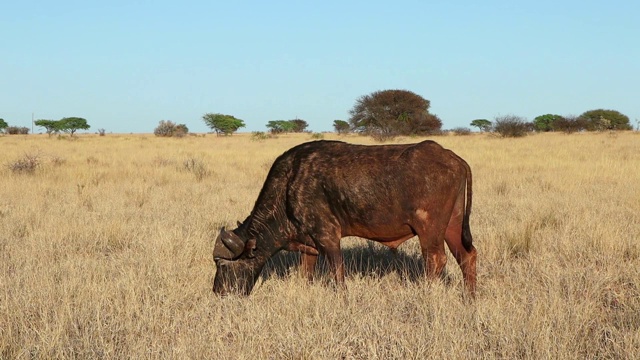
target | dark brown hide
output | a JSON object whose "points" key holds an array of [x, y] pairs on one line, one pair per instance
{"points": [[318, 192]]}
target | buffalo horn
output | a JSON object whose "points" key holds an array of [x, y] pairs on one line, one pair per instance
{"points": [[232, 242]]}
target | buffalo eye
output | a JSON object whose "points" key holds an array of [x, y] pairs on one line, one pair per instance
{"points": [[249, 248], [220, 263]]}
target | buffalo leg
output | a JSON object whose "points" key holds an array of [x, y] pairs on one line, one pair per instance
{"points": [[435, 257], [432, 244], [308, 265], [327, 241], [466, 258], [336, 262]]}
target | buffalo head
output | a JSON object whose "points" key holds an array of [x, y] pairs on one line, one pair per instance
{"points": [[237, 268]]}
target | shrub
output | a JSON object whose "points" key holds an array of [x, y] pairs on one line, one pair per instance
{"points": [[317, 136], [17, 130], [261, 135], [165, 128], [380, 136], [197, 167], [512, 126], [57, 160], [570, 124], [439, 133], [25, 165], [102, 132], [461, 131], [180, 130]]}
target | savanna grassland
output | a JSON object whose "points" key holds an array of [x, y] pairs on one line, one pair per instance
{"points": [[105, 252]]}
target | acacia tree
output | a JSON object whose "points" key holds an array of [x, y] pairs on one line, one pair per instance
{"points": [[482, 124], [72, 124], [285, 126], [299, 125], [388, 113], [222, 124], [280, 126], [50, 126], [545, 122], [341, 126], [3, 124], [601, 119]]}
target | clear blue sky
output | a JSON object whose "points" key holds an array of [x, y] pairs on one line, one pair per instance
{"points": [[126, 65]]}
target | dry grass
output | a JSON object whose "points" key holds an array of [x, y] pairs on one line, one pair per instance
{"points": [[105, 252]]}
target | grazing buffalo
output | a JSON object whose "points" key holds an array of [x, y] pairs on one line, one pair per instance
{"points": [[318, 192]]}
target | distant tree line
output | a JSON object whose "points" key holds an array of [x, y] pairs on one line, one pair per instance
{"points": [[381, 114], [69, 125], [12, 130], [386, 114], [592, 120]]}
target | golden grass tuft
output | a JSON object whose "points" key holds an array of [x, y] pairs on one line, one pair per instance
{"points": [[105, 252]]}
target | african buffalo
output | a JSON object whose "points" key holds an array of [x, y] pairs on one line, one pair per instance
{"points": [[318, 192]]}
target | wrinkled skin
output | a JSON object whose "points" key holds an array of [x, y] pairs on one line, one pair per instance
{"points": [[319, 192]]}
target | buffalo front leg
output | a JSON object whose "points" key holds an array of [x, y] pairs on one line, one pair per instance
{"points": [[308, 265], [326, 238], [336, 264]]}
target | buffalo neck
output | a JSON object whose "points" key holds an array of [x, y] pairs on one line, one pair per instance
{"points": [[268, 222], [271, 231]]}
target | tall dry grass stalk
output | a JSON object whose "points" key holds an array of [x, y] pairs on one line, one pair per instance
{"points": [[105, 252]]}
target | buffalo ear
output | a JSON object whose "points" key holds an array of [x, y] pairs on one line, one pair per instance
{"points": [[249, 247]]}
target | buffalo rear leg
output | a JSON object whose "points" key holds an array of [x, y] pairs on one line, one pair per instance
{"points": [[434, 255], [432, 245], [466, 258]]}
